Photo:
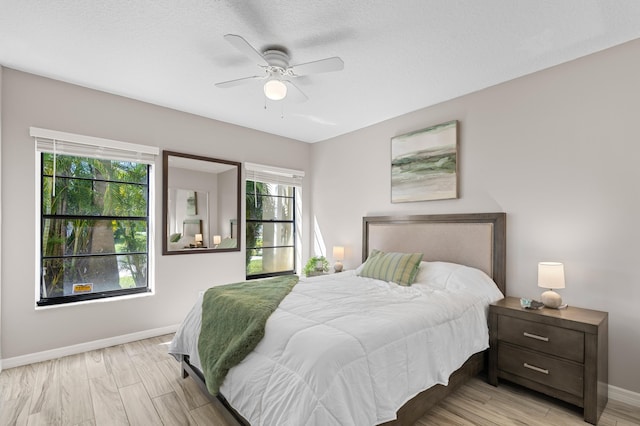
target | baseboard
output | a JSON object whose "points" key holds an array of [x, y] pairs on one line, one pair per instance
{"points": [[85, 347], [623, 395]]}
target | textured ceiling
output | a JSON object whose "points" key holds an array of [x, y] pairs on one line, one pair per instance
{"points": [[399, 56]]}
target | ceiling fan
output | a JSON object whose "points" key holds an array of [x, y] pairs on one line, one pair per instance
{"points": [[277, 71]]}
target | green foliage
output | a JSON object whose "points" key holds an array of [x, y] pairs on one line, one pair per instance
{"points": [[93, 188], [310, 267], [254, 267], [254, 206]]}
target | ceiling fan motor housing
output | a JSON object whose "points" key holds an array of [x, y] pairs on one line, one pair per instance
{"points": [[278, 61], [274, 61]]}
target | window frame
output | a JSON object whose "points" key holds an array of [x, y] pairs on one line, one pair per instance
{"points": [[293, 221], [86, 146]]}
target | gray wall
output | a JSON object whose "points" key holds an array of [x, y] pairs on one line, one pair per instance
{"points": [[28, 100], [207, 199], [226, 204], [557, 151]]}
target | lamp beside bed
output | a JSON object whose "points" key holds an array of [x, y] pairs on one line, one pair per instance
{"points": [[551, 277], [338, 256]]}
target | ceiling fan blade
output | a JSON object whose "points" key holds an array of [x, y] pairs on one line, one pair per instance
{"points": [[238, 81], [243, 46], [295, 94], [315, 67]]}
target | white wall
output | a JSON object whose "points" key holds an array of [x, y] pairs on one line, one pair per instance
{"points": [[557, 151], [206, 186], [226, 205], [28, 100]]}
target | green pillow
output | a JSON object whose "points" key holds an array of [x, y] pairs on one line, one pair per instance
{"points": [[400, 268], [227, 243]]}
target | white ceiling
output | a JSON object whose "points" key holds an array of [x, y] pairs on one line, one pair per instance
{"points": [[399, 56]]}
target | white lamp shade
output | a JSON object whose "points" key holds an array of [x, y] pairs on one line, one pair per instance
{"points": [[550, 275], [198, 238], [338, 252], [275, 90], [217, 239]]}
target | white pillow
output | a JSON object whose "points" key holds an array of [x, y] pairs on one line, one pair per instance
{"points": [[436, 274], [453, 276]]}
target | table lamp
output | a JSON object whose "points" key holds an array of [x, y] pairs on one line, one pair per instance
{"points": [[217, 239], [338, 256], [198, 240], [551, 276]]}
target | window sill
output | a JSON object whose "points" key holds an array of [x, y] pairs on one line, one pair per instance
{"points": [[91, 301]]}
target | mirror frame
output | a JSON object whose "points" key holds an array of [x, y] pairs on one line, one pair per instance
{"points": [[165, 201]]}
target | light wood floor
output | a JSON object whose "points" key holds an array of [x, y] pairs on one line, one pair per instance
{"points": [[139, 384]]}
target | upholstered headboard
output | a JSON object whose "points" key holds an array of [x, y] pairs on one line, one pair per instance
{"points": [[472, 239]]}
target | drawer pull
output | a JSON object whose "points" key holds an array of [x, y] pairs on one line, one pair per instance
{"points": [[534, 368], [535, 336]]}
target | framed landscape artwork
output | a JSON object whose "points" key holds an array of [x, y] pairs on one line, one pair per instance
{"points": [[192, 203], [424, 164]]}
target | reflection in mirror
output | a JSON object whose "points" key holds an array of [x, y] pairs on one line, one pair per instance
{"points": [[201, 204]]}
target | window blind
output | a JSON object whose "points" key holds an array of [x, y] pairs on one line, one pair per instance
{"points": [[271, 174], [88, 146]]}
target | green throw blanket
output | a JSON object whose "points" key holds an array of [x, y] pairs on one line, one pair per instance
{"points": [[233, 322]]}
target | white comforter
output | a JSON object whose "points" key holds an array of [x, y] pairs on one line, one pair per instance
{"points": [[346, 350]]}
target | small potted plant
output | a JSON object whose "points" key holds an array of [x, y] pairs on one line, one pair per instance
{"points": [[317, 265]]}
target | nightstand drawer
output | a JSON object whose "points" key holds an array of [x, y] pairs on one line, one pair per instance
{"points": [[545, 338], [550, 371]]}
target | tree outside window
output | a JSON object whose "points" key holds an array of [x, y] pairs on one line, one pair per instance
{"points": [[94, 228]]}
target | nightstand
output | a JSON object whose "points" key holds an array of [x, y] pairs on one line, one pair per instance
{"points": [[316, 274], [560, 352]]}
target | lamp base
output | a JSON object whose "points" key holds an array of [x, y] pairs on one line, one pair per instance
{"points": [[337, 267], [551, 299]]}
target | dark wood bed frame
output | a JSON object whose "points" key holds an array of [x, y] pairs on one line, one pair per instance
{"points": [[470, 232]]}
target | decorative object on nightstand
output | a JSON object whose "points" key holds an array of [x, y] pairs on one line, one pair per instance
{"points": [[217, 239], [317, 265], [562, 353], [198, 240], [551, 276], [531, 304], [338, 256]]}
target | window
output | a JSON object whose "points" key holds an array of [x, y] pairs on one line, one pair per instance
{"points": [[95, 222], [272, 231]]}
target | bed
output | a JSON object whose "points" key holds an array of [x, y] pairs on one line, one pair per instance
{"points": [[371, 376]]}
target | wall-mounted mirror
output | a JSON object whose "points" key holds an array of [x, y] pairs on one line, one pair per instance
{"points": [[201, 206]]}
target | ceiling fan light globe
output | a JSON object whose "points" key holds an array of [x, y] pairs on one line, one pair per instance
{"points": [[275, 90]]}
